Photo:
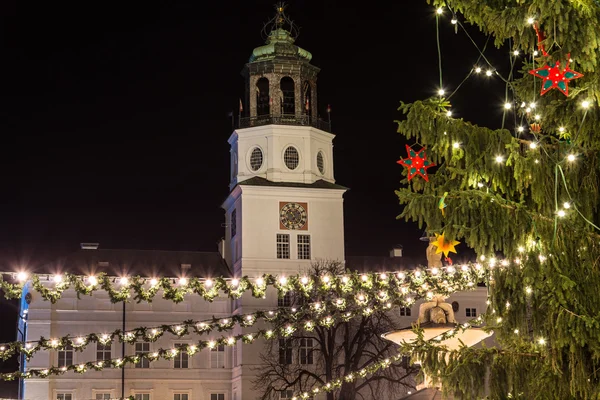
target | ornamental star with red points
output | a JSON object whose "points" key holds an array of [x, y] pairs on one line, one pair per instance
{"points": [[416, 163], [555, 77]]}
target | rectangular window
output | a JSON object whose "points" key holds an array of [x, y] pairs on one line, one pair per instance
{"points": [[103, 351], [180, 396], [141, 348], [182, 358], [233, 223], [286, 394], [306, 351], [217, 356], [64, 396], [217, 396], [142, 396], [303, 247], [65, 357], [285, 301], [405, 311], [283, 246], [471, 312], [103, 396], [285, 351]]}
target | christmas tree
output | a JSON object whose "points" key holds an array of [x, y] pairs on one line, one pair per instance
{"points": [[525, 195]]}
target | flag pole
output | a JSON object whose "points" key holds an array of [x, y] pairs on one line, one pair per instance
{"points": [[329, 114]]}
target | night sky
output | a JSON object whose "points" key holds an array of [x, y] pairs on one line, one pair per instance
{"points": [[114, 115]]}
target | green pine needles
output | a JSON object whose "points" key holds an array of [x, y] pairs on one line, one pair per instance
{"points": [[527, 194]]}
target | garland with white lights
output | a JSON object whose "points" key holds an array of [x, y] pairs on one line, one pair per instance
{"points": [[420, 282]]}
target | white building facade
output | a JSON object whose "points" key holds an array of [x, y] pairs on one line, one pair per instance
{"points": [[284, 211]]}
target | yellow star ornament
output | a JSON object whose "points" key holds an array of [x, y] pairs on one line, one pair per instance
{"points": [[443, 245]]}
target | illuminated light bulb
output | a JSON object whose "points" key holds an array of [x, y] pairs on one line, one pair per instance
{"points": [[449, 113], [201, 325], [54, 343], [155, 354], [124, 281], [225, 321], [304, 280], [521, 249], [250, 337], [429, 295], [178, 328], [92, 280], [464, 268], [260, 281], [542, 341], [528, 290], [536, 161], [45, 371], [488, 72], [364, 278], [153, 281], [339, 302], [532, 105], [456, 145], [383, 277], [441, 92], [57, 278], [230, 340], [530, 20], [417, 273], [504, 263], [283, 280], [326, 279], [183, 281], [478, 69], [80, 340], [567, 205], [516, 53], [516, 331], [571, 157], [270, 313], [345, 279], [507, 106], [27, 345], [235, 282], [382, 294], [208, 283], [2, 348], [488, 302], [478, 266], [434, 271], [561, 213], [585, 104], [533, 145], [454, 21], [404, 290], [22, 276], [480, 184], [65, 368], [173, 351], [409, 300], [520, 129], [249, 317], [492, 262], [451, 270], [212, 343], [499, 159], [401, 275], [561, 129], [154, 332], [361, 297], [542, 258], [440, 11], [105, 337], [538, 117], [528, 109], [535, 53]]}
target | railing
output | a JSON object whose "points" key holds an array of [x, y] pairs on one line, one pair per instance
{"points": [[285, 119]]}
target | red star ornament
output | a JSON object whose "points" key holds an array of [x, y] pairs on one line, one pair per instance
{"points": [[416, 163], [555, 77]]}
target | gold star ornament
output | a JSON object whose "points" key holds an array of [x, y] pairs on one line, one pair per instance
{"points": [[444, 245]]}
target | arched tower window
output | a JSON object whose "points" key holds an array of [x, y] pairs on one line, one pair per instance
{"points": [[307, 100], [288, 102], [262, 97]]}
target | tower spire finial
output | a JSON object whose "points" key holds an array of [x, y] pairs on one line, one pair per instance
{"points": [[280, 22]]}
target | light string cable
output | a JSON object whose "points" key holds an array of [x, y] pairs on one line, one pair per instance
{"points": [[131, 336]]}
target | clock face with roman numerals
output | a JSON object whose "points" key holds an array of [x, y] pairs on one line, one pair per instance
{"points": [[293, 216]]}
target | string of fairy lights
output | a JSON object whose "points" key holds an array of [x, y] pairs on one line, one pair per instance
{"points": [[527, 109]]}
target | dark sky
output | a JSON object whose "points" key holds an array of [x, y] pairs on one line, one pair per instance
{"points": [[114, 115]]}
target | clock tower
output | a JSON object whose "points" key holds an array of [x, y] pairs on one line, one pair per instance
{"points": [[284, 210]]}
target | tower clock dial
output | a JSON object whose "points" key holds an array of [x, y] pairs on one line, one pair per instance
{"points": [[293, 216]]}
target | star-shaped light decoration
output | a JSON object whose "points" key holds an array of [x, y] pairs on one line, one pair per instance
{"points": [[555, 77], [444, 245], [416, 163]]}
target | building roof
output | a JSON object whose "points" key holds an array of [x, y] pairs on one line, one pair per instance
{"points": [[140, 262], [320, 184], [377, 263]]}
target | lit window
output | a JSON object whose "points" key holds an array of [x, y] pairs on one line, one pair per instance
{"points": [[180, 396], [306, 351], [65, 357], [181, 359], [217, 396], [286, 394], [291, 158], [304, 247], [103, 351], [103, 396], [405, 311], [283, 246], [64, 396], [285, 351], [233, 223], [217, 356], [142, 348], [471, 312], [142, 396], [285, 301]]}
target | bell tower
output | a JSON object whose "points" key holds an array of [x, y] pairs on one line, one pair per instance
{"points": [[284, 209]]}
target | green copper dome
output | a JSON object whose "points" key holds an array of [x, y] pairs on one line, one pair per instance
{"points": [[280, 44]]}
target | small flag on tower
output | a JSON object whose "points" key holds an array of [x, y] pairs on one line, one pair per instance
{"points": [[328, 108], [307, 104], [241, 107]]}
